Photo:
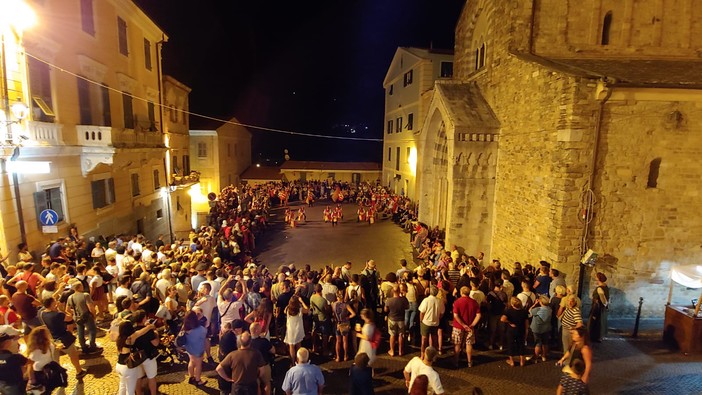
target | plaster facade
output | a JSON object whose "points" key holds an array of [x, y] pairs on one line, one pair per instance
{"points": [[89, 72]]}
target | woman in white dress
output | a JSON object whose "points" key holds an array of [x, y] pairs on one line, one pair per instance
{"points": [[365, 335], [295, 330]]}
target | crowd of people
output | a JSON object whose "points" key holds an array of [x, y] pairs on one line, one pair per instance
{"points": [[172, 302]]}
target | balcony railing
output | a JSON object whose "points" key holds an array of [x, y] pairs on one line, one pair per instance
{"points": [[137, 138], [94, 136], [44, 133], [191, 178]]}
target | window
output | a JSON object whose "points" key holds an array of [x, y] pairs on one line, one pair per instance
{"points": [[390, 90], [606, 26], [50, 197], [389, 154], [389, 126], [446, 69], [94, 103], [122, 36], [174, 114], [147, 54], [128, 110], [410, 121], [135, 184], [103, 192], [157, 180], [398, 127], [186, 164], [40, 88], [152, 116], [407, 155], [202, 150], [159, 213], [397, 159], [87, 20], [480, 57], [653, 172], [175, 169], [408, 78]]}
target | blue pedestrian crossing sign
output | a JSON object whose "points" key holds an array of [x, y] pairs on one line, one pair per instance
{"points": [[48, 217]]}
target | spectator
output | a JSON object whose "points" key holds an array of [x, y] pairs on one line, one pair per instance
{"points": [[365, 334], [82, 308], [57, 322], [295, 330], [147, 343], [579, 350], [571, 382], [517, 324], [361, 376], [243, 368], [265, 347], [321, 319], [423, 366], [466, 316], [130, 378], [496, 303], [304, 378], [430, 311], [26, 306], [195, 338], [12, 375], [395, 308]]}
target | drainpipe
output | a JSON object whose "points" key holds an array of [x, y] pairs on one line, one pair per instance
{"points": [[18, 199], [166, 161], [589, 195]]}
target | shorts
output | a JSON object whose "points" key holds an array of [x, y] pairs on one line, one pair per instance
{"points": [[541, 338], [68, 350], [31, 324], [426, 330], [461, 336], [150, 367], [321, 327], [396, 327], [343, 328]]}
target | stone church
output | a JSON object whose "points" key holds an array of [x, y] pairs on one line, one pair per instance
{"points": [[569, 126]]}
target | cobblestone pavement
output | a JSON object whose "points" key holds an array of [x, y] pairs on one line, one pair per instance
{"points": [[622, 365]]}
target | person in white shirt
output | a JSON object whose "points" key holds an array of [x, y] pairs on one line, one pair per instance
{"points": [[417, 367], [123, 289], [165, 280], [227, 304], [430, 311]]}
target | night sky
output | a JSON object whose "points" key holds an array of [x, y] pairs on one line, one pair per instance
{"points": [[307, 66]]}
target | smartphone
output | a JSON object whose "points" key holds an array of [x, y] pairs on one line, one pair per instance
{"points": [[151, 321]]}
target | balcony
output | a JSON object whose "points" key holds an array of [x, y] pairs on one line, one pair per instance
{"points": [[179, 180], [94, 136], [44, 133], [140, 136]]}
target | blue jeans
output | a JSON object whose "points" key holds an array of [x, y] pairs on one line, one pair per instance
{"points": [[411, 315], [88, 323]]}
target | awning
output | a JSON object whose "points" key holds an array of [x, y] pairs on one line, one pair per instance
{"points": [[689, 276]]}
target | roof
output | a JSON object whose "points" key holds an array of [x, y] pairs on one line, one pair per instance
{"points": [[330, 166], [399, 65], [261, 173], [466, 107]]}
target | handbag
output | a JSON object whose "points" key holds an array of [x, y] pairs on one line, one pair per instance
{"points": [[136, 357]]}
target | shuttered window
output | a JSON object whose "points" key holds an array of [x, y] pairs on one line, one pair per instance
{"points": [[103, 192]]}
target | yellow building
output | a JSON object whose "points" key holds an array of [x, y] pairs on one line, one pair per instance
{"points": [[91, 79], [356, 172], [183, 187], [220, 155], [408, 83]]}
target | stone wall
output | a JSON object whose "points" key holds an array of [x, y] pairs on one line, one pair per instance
{"points": [[643, 230], [548, 123]]}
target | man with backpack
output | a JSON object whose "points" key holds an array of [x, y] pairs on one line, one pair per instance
{"points": [[369, 284]]}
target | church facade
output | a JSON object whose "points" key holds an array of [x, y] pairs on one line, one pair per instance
{"points": [[570, 127]]}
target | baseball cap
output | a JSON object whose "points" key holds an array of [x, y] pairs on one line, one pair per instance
{"points": [[8, 332]]}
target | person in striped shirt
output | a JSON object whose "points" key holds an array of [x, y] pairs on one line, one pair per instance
{"points": [[571, 318]]}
